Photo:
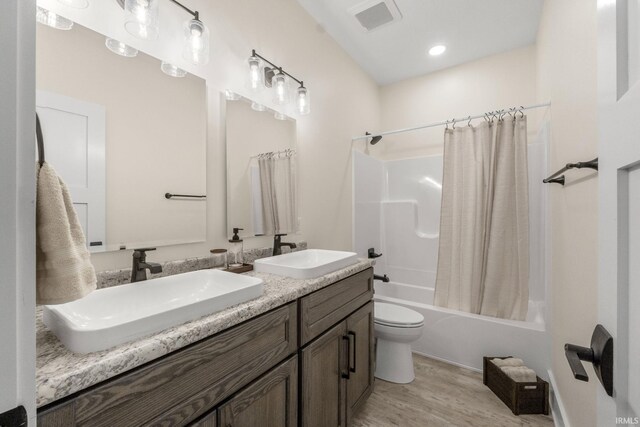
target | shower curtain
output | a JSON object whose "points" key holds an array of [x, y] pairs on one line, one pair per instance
{"points": [[483, 258], [279, 193]]}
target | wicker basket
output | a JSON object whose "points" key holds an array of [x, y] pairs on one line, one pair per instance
{"points": [[521, 398]]}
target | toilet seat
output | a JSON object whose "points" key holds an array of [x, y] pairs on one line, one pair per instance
{"points": [[397, 316]]}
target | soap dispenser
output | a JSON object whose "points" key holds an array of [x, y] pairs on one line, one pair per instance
{"points": [[236, 250]]}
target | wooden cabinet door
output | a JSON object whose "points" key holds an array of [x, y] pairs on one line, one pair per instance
{"points": [[323, 389], [361, 358], [209, 420], [271, 401]]}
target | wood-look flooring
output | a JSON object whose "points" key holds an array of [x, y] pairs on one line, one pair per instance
{"points": [[441, 395]]}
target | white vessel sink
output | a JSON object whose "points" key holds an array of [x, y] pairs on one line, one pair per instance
{"points": [[307, 264], [112, 316]]}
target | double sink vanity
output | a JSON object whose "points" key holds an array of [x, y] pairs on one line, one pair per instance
{"points": [[288, 344]]}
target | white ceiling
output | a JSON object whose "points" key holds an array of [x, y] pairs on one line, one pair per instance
{"points": [[470, 29]]}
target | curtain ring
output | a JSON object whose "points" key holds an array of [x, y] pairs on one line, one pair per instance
{"points": [[454, 123], [469, 122], [521, 112], [446, 125]]}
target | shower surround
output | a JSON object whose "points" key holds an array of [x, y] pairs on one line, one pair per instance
{"points": [[397, 212]]}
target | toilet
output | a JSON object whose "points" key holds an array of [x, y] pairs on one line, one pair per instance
{"points": [[395, 328]]}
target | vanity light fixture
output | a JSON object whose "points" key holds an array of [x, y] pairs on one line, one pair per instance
{"points": [[172, 70], [280, 116], [142, 19], [274, 77], [77, 4], [52, 20], [119, 48], [142, 22]]}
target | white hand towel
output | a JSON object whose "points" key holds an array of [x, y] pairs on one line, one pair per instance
{"points": [[63, 270], [520, 374], [510, 361]]}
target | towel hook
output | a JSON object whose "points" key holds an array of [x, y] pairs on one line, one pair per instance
{"points": [[40, 141]]}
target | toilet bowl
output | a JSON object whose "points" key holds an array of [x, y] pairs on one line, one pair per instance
{"points": [[395, 328]]}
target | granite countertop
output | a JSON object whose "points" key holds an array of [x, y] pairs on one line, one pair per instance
{"points": [[60, 372]]}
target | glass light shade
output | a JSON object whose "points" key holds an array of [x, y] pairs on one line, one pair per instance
{"points": [[172, 70], [78, 4], [280, 116], [196, 42], [257, 106], [120, 48], [280, 87], [142, 18], [303, 102], [52, 20], [255, 83], [231, 96]]}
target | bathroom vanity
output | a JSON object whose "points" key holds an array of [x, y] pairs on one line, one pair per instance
{"points": [[302, 356]]}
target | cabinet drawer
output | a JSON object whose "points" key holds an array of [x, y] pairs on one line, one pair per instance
{"points": [[182, 386], [326, 307]]}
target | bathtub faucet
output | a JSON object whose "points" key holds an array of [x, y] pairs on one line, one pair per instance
{"points": [[384, 278]]}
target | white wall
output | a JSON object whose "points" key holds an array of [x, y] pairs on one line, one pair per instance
{"points": [[567, 65], [499, 81], [345, 102], [17, 210]]}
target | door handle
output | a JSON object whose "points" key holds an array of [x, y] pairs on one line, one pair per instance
{"points": [[355, 346], [347, 375], [600, 354]]}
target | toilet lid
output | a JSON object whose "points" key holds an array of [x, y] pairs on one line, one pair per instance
{"points": [[396, 315]]}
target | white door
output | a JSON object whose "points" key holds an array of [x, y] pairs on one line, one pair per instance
{"points": [[74, 144], [619, 200]]}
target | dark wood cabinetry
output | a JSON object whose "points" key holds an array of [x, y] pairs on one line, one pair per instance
{"points": [[251, 374], [272, 401], [337, 371]]}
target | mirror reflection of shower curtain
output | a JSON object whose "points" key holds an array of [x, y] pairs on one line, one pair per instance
{"points": [[483, 258], [277, 194]]}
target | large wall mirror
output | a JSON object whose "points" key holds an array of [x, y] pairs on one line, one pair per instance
{"points": [[122, 134], [262, 196]]}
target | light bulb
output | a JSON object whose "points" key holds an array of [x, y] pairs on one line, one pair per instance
{"points": [[280, 90], [437, 50], [120, 48], [52, 20], [142, 18], [196, 42], [172, 70], [255, 76], [303, 103]]}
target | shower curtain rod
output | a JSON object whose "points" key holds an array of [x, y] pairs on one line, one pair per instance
{"points": [[443, 123]]}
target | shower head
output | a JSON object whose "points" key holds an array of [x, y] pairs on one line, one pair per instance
{"points": [[375, 139]]}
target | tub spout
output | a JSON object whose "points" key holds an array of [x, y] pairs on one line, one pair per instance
{"points": [[384, 278]]}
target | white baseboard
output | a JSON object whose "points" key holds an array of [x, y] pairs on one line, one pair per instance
{"points": [[557, 407], [460, 365]]}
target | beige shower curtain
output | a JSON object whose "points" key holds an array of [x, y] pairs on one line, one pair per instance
{"points": [[279, 193], [483, 259]]}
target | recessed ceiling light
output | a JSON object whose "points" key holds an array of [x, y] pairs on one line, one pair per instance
{"points": [[437, 50]]}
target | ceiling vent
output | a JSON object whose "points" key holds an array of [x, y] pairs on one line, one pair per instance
{"points": [[373, 14]]}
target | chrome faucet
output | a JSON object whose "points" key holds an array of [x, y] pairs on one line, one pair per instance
{"points": [[278, 244], [140, 265]]}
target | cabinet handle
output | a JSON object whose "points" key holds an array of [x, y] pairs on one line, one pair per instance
{"points": [[346, 375], [355, 346]]}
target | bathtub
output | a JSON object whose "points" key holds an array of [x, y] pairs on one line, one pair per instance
{"points": [[462, 338]]}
